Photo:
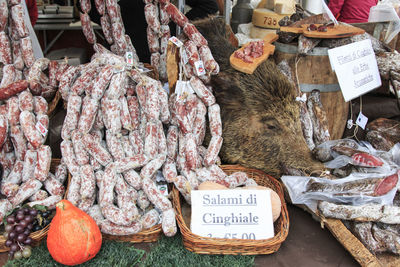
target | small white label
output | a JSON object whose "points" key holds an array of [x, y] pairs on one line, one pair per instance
{"points": [[163, 189], [183, 89], [184, 56], [176, 41], [361, 120], [350, 124], [199, 66], [356, 68], [233, 214], [129, 58], [40, 127]]}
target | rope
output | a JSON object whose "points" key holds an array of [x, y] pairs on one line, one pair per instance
{"points": [[351, 118]]}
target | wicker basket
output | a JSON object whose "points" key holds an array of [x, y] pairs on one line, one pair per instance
{"points": [[38, 235], [206, 245], [149, 235], [53, 104]]}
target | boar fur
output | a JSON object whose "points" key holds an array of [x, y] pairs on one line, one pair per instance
{"points": [[260, 116]]}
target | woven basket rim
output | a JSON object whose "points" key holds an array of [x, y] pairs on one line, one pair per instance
{"points": [[229, 246]]}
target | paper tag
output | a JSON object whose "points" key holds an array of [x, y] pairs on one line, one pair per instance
{"points": [[233, 214], [184, 56], [40, 127], [199, 67], [176, 41], [356, 68], [183, 89], [303, 98], [361, 120], [350, 124], [129, 58], [329, 12], [163, 189]]}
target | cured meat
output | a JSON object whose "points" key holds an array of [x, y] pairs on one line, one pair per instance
{"points": [[366, 160], [149, 219], [17, 14], [3, 130], [19, 141], [213, 150], [25, 100], [209, 62], [96, 150], [88, 114], [318, 117], [13, 89], [87, 28], [214, 117], [175, 15], [82, 156], [68, 156], [27, 51], [365, 186], [43, 163], [26, 190], [202, 91], [100, 6], [111, 114], [5, 49], [133, 106], [3, 14], [85, 5], [27, 120], [18, 61], [9, 74], [72, 117], [151, 15], [151, 140], [190, 30], [152, 40], [54, 187], [101, 82], [40, 105]]}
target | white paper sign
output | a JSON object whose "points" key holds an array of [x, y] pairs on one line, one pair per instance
{"points": [[233, 214], [356, 68]]}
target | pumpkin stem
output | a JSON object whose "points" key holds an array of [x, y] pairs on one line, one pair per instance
{"points": [[60, 205]]}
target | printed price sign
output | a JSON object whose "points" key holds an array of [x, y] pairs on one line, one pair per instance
{"points": [[356, 68], [233, 214]]}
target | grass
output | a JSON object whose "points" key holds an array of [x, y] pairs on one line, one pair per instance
{"points": [[116, 254], [166, 252], [170, 252]]}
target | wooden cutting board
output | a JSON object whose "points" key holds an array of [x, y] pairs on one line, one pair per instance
{"points": [[240, 65], [337, 31]]}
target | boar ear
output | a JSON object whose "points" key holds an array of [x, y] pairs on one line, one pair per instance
{"points": [[228, 92]]}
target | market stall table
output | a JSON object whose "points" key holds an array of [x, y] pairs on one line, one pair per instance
{"points": [[306, 245]]}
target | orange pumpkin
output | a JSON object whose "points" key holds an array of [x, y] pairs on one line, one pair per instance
{"points": [[73, 237]]}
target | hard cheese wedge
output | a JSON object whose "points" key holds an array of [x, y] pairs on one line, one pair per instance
{"points": [[337, 31], [240, 65]]}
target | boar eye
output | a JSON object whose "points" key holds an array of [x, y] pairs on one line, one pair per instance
{"points": [[271, 127], [270, 123]]}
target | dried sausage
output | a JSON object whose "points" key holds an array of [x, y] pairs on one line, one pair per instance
{"points": [[19, 141], [88, 115], [53, 186], [29, 165], [101, 82], [213, 150], [13, 89], [17, 14], [151, 168], [81, 155], [151, 139], [87, 28], [43, 163], [134, 110], [49, 202], [202, 92], [25, 100], [26, 190], [9, 74], [151, 15], [88, 182], [68, 156], [27, 51], [191, 31], [96, 150], [150, 218], [5, 49], [168, 222], [40, 105], [175, 15], [72, 116], [214, 117], [3, 130], [106, 27], [27, 120]]}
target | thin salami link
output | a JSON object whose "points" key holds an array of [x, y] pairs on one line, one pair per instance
{"points": [[133, 106], [54, 187], [100, 6], [155, 60], [88, 182], [15, 175], [88, 115], [118, 32], [134, 162], [101, 82], [164, 17], [27, 120], [151, 15], [155, 196], [111, 113], [191, 52], [13, 89], [151, 140], [114, 145], [191, 31], [133, 179], [5, 206], [199, 124], [49, 202], [43, 163], [27, 51], [117, 83], [29, 165], [152, 40], [61, 172], [26, 190], [136, 142], [68, 156], [106, 27], [25, 100], [72, 117], [96, 150], [214, 117], [202, 92], [149, 219], [87, 28], [3, 130], [3, 14], [82, 156], [9, 189], [175, 15], [9, 74], [19, 141], [39, 195], [86, 6], [164, 109], [110, 228], [168, 222], [172, 142], [142, 200], [40, 105], [169, 171], [209, 62], [73, 194], [152, 107], [18, 61], [17, 14], [5, 49], [213, 150], [151, 168], [124, 115], [66, 80]]}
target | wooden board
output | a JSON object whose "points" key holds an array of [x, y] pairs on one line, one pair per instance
{"points": [[240, 65], [337, 31]]}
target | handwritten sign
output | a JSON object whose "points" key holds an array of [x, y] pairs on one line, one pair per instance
{"points": [[233, 214], [356, 68]]}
